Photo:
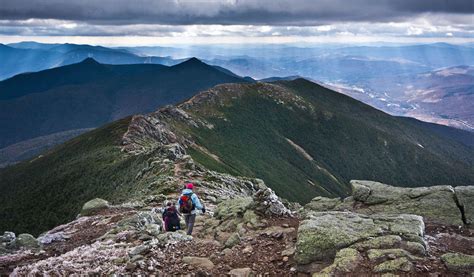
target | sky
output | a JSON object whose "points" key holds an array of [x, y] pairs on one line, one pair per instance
{"points": [[153, 22]]}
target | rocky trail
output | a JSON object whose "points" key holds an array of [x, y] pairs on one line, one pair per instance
{"points": [[248, 235]]}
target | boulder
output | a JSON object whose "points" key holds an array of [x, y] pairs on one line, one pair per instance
{"points": [[139, 250], [93, 206], [435, 203], [395, 265], [26, 241], [388, 241], [174, 151], [323, 204], [199, 262], [269, 204], [379, 255], [172, 238], [49, 238], [7, 238], [346, 260], [233, 240], [322, 234], [251, 218], [241, 272], [458, 261], [147, 221], [465, 197], [232, 208]]}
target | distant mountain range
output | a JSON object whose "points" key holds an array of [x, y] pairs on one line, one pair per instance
{"points": [[23, 57], [89, 94], [373, 74], [302, 139], [382, 76]]}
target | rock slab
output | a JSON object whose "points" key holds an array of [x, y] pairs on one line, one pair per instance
{"points": [[322, 234]]}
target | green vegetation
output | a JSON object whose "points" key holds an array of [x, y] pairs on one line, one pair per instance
{"points": [[346, 138], [303, 140], [41, 193]]}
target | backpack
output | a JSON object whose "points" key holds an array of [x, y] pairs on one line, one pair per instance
{"points": [[186, 204], [171, 220]]}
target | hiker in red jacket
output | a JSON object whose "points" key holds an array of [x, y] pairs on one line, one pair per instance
{"points": [[188, 204]]}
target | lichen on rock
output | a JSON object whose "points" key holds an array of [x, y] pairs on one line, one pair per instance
{"points": [[458, 261], [322, 234], [346, 260]]}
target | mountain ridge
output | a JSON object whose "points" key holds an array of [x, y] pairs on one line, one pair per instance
{"points": [[91, 94], [303, 140]]}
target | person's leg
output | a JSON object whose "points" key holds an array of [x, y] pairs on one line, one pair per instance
{"points": [[186, 221], [190, 224]]}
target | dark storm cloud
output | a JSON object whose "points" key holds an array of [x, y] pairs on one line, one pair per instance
{"points": [[269, 12]]}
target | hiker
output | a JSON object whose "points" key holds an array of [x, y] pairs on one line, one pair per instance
{"points": [[171, 218], [188, 204]]}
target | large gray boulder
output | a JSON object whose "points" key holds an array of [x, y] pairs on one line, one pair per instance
{"points": [[437, 203], [465, 197], [26, 241], [93, 206], [322, 234]]}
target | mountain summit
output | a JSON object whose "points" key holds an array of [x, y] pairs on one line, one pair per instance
{"points": [[89, 60]]}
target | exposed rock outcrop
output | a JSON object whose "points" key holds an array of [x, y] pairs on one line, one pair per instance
{"points": [[146, 132], [322, 234], [439, 204], [386, 225], [434, 203]]}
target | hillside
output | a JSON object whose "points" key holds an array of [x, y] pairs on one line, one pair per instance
{"points": [[89, 94], [33, 147], [303, 140], [26, 57]]}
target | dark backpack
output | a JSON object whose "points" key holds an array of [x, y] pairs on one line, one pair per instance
{"points": [[186, 204], [171, 220]]}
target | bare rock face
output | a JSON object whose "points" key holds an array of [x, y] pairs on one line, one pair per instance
{"points": [[148, 132], [322, 234], [145, 133], [436, 203], [465, 198]]}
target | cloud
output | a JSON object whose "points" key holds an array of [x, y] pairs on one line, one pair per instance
{"points": [[228, 12], [238, 18], [419, 27]]}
